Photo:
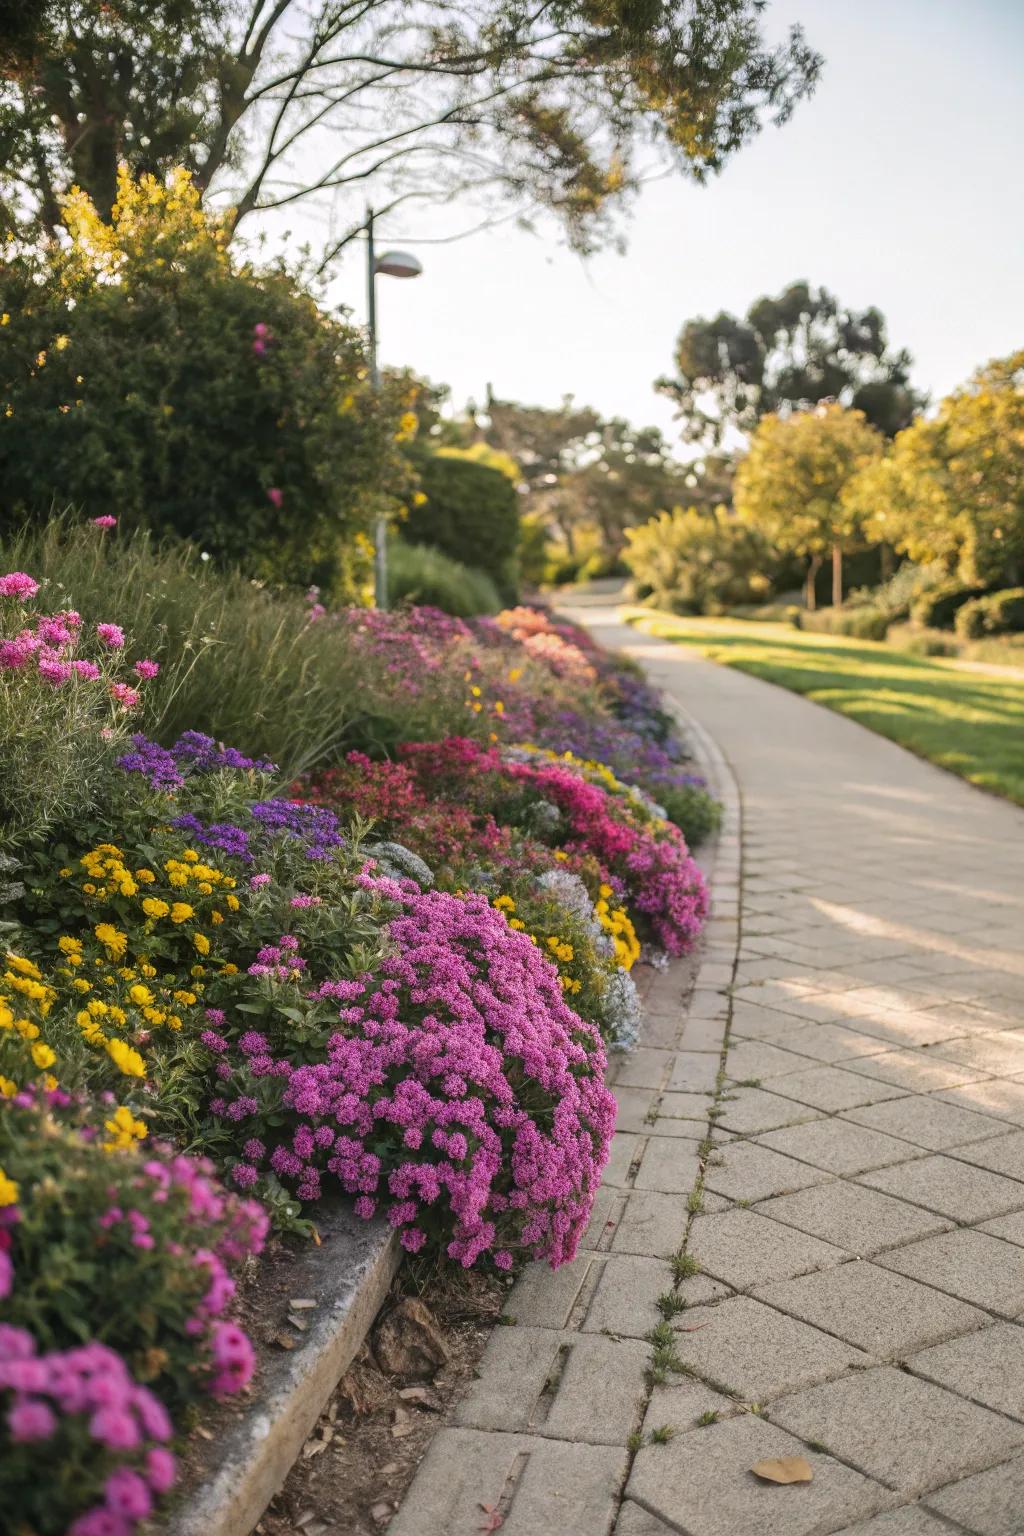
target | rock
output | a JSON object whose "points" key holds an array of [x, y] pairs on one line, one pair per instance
{"points": [[408, 1342]]}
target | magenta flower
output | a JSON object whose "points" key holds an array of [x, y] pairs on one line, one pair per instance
{"points": [[17, 584], [86, 669], [146, 669], [111, 635], [106, 521], [127, 697], [30, 1419], [275, 496]]}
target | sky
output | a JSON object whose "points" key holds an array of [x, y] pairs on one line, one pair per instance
{"points": [[897, 184]]}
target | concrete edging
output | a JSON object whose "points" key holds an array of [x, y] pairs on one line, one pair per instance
{"points": [[349, 1275]]}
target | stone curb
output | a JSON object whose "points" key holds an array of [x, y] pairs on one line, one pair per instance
{"points": [[242, 1468]]}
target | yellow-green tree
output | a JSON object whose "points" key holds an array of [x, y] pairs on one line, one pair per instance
{"points": [[951, 490], [791, 485]]}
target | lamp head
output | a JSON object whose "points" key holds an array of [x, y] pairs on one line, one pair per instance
{"points": [[398, 264]]}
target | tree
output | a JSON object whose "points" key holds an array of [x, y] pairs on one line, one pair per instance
{"points": [[523, 107], [583, 471], [951, 489], [470, 512], [143, 373], [792, 481], [697, 562], [788, 353]]}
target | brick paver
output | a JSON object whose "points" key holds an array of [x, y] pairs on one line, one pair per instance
{"points": [[811, 1236]]}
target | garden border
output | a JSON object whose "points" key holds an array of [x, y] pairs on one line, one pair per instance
{"points": [[349, 1273]]}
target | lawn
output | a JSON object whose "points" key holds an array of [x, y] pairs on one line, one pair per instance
{"points": [[968, 722]]}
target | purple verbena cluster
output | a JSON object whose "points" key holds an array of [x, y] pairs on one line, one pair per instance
{"points": [[167, 767]]}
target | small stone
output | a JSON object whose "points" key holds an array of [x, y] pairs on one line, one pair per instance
{"points": [[408, 1341]]}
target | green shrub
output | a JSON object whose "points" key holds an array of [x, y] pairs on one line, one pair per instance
{"points": [[922, 642], [693, 562], [895, 596], [143, 373], [1000, 613], [602, 564], [937, 606], [767, 613], [860, 623], [471, 510], [694, 810], [419, 574]]}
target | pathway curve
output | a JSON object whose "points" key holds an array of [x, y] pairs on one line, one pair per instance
{"points": [[810, 1240]]}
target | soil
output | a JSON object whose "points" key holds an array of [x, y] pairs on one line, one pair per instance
{"points": [[357, 1464]]}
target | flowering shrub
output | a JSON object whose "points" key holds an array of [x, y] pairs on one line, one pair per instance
{"points": [[398, 981], [646, 855], [461, 1091], [138, 1247], [65, 696]]}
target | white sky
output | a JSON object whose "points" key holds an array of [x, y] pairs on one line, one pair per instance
{"points": [[898, 184]]}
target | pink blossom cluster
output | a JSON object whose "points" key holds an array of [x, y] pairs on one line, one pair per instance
{"points": [[93, 1386], [48, 643], [461, 1092]]}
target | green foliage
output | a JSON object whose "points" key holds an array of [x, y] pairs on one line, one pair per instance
{"points": [[952, 488], [936, 607], [862, 621], [142, 373], [239, 661], [471, 511], [693, 562], [792, 483], [419, 574], [791, 351], [548, 111], [1000, 613], [695, 812]]}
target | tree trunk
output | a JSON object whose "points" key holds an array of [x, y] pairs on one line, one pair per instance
{"points": [[837, 576], [813, 567], [887, 562]]}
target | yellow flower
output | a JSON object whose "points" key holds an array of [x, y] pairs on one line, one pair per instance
{"points": [[145, 875], [229, 970], [42, 1055], [231, 902], [123, 1129], [201, 943], [216, 917], [7, 1088], [68, 945], [148, 970], [187, 998], [81, 985], [26, 1029], [181, 912], [128, 1060], [114, 942], [517, 924], [26, 967], [515, 674], [8, 1190], [505, 904], [154, 907], [140, 994]]}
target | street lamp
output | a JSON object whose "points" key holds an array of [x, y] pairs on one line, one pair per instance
{"points": [[391, 264]]}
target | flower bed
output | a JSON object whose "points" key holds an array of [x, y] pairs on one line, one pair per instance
{"points": [[223, 996]]}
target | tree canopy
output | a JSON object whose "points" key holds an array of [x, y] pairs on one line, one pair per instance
{"points": [[791, 484], [788, 352], [144, 372], [548, 107], [951, 489]]}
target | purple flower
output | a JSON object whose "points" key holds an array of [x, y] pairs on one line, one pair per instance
{"points": [[127, 1494], [111, 635], [30, 1419]]}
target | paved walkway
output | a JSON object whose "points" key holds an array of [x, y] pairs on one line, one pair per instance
{"points": [[811, 1236]]}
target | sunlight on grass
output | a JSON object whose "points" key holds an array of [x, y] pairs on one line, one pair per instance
{"points": [[968, 722]]}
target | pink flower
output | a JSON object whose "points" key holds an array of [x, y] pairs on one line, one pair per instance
{"points": [[53, 671], [127, 697], [259, 348], [146, 669], [86, 669], [106, 521], [111, 634], [161, 1469], [127, 1494], [261, 330], [275, 496], [30, 1419], [17, 584]]}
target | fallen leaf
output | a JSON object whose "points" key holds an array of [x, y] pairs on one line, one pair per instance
{"points": [[494, 1520], [783, 1469], [283, 1341], [302, 1303]]}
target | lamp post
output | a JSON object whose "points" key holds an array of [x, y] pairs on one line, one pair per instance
{"points": [[392, 264]]}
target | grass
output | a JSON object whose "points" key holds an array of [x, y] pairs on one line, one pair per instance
{"points": [[966, 722]]}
